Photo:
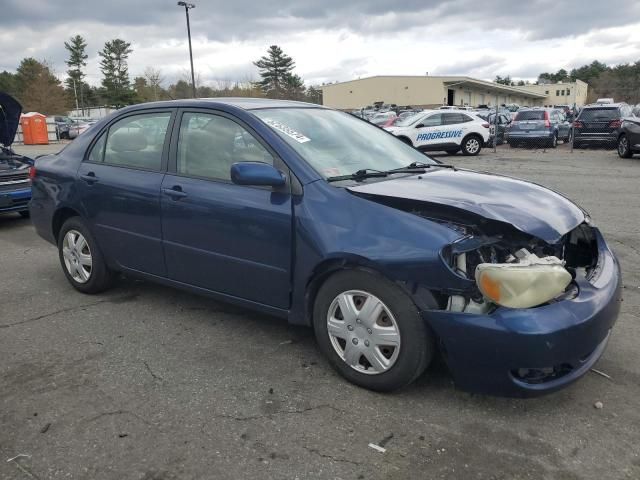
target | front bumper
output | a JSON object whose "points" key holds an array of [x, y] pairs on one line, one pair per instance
{"points": [[485, 352], [15, 200]]}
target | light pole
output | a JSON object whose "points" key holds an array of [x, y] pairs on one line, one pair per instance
{"points": [[187, 6]]}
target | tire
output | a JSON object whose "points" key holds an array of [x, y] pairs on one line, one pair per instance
{"points": [[553, 143], [397, 314], [471, 145], [94, 277], [624, 151], [452, 151], [24, 214], [512, 144]]}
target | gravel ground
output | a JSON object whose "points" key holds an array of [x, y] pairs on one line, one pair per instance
{"points": [[145, 382]]}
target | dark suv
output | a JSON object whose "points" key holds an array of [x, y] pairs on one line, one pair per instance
{"points": [[629, 137], [599, 124]]}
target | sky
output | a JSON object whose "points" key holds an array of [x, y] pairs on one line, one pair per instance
{"points": [[330, 40]]}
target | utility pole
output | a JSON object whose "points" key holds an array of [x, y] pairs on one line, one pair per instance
{"points": [[187, 6], [75, 93]]}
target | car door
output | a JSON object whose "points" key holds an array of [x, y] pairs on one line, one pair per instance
{"points": [[119, 188], [425, 133], [217, 235]]}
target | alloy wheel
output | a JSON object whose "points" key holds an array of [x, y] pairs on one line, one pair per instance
{"points": [[77, 256], [363, 332], [623, 145], [473, 145]]}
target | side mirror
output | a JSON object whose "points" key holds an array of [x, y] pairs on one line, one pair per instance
{"points": [[420, 125], [257, 174]]}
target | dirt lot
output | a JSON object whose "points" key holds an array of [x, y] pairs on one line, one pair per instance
{"points": [[148, 383]]}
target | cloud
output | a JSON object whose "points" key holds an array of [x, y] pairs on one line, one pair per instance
{"points": [[331, 39]]}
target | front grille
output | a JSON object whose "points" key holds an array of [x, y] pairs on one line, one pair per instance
{"points": [[14, 177]]}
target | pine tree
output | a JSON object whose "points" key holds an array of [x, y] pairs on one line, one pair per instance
{"points": [[39, 89], [275, 71], [294, 88], [77, 60], [114, 68]]}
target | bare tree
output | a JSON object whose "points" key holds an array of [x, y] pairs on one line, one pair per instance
{"points": [[154, 79]]}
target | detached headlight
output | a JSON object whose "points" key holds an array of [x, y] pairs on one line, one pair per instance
{"points": [[527, 282]]}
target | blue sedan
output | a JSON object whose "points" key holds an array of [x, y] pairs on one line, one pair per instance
{"points": [[318, 217]]}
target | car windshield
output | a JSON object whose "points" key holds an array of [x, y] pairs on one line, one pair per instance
{"points": [[599, 114], [530, 115], [336, 143]]}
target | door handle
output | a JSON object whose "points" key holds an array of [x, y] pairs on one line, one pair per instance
{"points": [[174, 192], [89, 178]]}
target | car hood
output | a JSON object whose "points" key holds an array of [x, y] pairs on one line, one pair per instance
{"points": [[10, 111], [526, 206]]}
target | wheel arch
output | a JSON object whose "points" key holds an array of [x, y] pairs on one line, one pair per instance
{"points": [[405, 139], [422, 297], [59, 217]]}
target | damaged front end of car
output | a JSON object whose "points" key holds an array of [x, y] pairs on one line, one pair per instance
{"points": [[527, 315]]}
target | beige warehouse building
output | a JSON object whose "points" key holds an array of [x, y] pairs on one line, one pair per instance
{"points": [[563, 93], [425, 92]]}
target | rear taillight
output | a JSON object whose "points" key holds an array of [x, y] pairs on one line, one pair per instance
{"points": [[615, 124], [578, 124], [547, 123], [32, 172], [485, 125]]}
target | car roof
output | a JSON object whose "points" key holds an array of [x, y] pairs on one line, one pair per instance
{"points": [[244, 103]]}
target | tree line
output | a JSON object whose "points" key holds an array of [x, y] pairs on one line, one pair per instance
{"points": [[620, 82], [37, 87]]}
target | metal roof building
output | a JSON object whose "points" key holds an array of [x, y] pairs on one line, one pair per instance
{"points": [[425, 91]]}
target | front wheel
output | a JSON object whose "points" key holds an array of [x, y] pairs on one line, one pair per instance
{"points": [[624, 151], [81, 259], [471, 145], [370, 331]]}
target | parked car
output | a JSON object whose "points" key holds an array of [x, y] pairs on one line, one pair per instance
{"points": [[629, 137], [15, 184], [381, 119], [449, 131], [62, 126], [503, 125], [330, 222], [542, 126], [599, 124], [79, 127]]}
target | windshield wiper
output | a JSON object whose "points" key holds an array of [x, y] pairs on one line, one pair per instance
{"points": [[364, 173], [422, 166]]}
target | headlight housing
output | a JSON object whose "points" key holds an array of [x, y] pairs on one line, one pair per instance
{"points": [[524, 282]]}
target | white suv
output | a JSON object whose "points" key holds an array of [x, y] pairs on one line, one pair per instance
{"points": [[447, 130]]}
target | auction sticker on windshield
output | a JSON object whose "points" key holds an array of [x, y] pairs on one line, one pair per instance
{"points": [[288, 131]]}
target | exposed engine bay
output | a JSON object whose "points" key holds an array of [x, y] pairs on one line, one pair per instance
{"points": [[507, 266]]}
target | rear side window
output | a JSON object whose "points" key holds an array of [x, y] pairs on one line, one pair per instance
{"points": [[599, 114], [209, 144], [530, 115], [136, 141], [97, 152]]}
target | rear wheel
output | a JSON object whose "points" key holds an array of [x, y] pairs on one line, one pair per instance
{"points": [[624, 149], [370, 331], [81, 259], [24, 214], [471, 145]]}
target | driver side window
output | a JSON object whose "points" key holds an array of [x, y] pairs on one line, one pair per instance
{"points": [[209, 144], [431, 121]]}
